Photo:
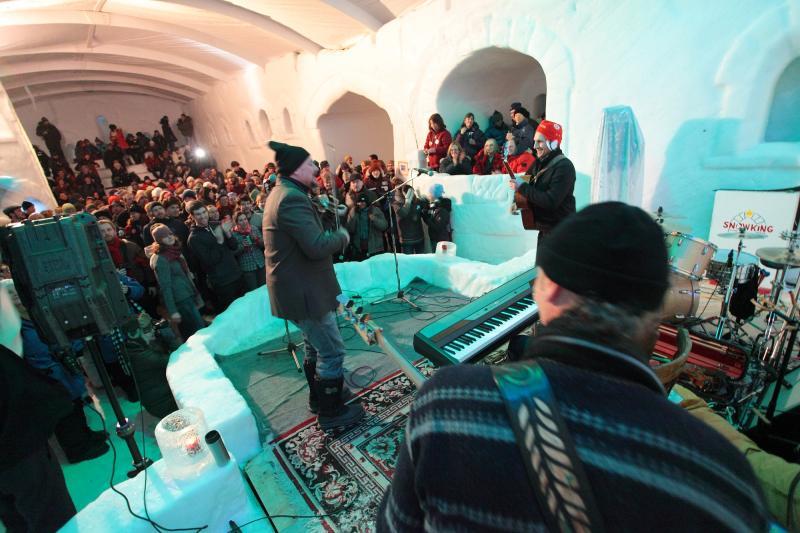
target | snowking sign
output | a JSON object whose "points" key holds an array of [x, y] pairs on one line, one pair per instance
{"points": [[767, 212]]}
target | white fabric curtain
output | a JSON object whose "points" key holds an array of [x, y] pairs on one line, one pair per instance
{"points": [[619, 163]]}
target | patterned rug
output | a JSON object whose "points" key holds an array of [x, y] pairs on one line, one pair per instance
{"points": [[344, 473]]}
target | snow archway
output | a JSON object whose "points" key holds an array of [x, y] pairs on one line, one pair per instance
{"points": [[488, 79], [357, 126]]}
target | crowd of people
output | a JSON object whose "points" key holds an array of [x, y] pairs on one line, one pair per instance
{"points": [[471, 150]]}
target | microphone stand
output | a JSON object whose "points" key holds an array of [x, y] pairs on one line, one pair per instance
{"points": [[290, 347], [400, 294]]}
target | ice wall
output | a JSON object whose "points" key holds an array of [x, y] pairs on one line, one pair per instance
{"points": [[17, 159], [699, 78]]}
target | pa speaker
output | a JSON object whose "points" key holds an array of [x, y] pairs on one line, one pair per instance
{"points": [[65, 277]]}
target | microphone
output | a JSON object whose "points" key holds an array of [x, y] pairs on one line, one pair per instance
{"points": [[427, 171]]}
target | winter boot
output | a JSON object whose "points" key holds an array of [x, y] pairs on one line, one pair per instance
{"points": [[76, 439], [333, 412], [310, 369]]}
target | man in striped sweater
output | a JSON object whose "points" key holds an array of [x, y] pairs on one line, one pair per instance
{"points": [[650, 465]]}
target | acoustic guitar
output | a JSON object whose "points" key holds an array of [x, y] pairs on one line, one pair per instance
{"points": [[520, 203]]}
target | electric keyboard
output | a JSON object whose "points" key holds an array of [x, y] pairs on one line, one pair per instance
{"points": [[480, 326]]}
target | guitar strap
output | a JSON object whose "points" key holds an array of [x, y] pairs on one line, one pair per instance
{"points": [[555, 471], [555, 160]]}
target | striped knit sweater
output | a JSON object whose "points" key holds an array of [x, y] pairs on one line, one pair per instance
{"points": [[651, 465]]}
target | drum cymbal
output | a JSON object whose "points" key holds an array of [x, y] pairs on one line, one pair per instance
{"points": [[779, 256], [737, 235]]}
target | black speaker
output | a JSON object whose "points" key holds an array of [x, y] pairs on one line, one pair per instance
{"points": [[65, 277]]}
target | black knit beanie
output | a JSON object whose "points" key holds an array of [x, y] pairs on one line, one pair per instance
{"points": [[288, 157], [610, 251]]}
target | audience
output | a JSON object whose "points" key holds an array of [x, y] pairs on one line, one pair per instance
{"points": [[213, 246], [456, 162], [249, 251], [366, 224], [470, 136], [437, 141], [178, 293], [408, 212], [488, 160]]}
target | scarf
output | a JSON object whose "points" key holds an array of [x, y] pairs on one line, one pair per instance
{"points": [[115, 248], [171, 253]]}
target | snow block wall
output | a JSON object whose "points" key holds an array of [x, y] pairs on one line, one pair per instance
{"points": [[18, 160], [699, 79]]}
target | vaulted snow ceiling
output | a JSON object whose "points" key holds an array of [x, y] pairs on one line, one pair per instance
{"points": [[171, 49]]}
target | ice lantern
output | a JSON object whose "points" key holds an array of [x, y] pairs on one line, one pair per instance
{"points": [[180, 439]]}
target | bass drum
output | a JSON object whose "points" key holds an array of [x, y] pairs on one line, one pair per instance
{"points": [[682, 299], [688, 255]]}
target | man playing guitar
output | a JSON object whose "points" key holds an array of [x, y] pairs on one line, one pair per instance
{"points": [[550, 183]]}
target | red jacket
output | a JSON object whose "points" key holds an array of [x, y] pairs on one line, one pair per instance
{"points": [[480, 163], [440, 142], [118, 136], [522, 162]]}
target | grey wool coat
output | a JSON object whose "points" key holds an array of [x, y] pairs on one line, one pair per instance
{"points": [[298, 252]]}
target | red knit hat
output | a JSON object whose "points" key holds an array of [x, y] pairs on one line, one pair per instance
{"points": [[551, 131]]}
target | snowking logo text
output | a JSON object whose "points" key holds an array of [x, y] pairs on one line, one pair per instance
{"points": [[749, 220]]}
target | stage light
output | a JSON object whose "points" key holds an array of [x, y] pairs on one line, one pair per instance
{"points": [[199, 153]]}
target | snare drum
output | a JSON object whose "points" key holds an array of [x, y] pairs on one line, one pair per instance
{"points": [[682, 298], [688, 255], [718, 270]]}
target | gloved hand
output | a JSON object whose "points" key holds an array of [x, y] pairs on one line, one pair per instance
{"points": [[516, 182], [346, 234]]}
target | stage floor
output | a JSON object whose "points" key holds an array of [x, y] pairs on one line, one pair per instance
{"points": [[303, 471]]}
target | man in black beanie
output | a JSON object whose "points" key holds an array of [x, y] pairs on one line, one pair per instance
{"points": [[302, 284], [647, 465]]}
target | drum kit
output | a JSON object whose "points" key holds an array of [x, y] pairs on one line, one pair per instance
{"points": [[738, 274]]}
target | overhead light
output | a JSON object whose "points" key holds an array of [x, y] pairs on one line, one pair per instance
{"points": [[199, 153]]}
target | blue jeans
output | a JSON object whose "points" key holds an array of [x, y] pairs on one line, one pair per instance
{"points": [[324, 344]]}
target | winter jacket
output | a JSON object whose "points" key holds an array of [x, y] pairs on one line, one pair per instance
{"points": [[471, 140], [250, 251], [523, 136], [437, 217], [551, 194], [300, 278], [439, 142], [118, 136], [30, 407], [448, 166], [498, 133], [216, 260], [483, 166], [376, 226], [409, 218], [176, 285], [522, 162]]}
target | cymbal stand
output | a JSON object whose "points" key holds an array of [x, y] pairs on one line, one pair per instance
{"points": [[724, 320], [777, 287]]}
